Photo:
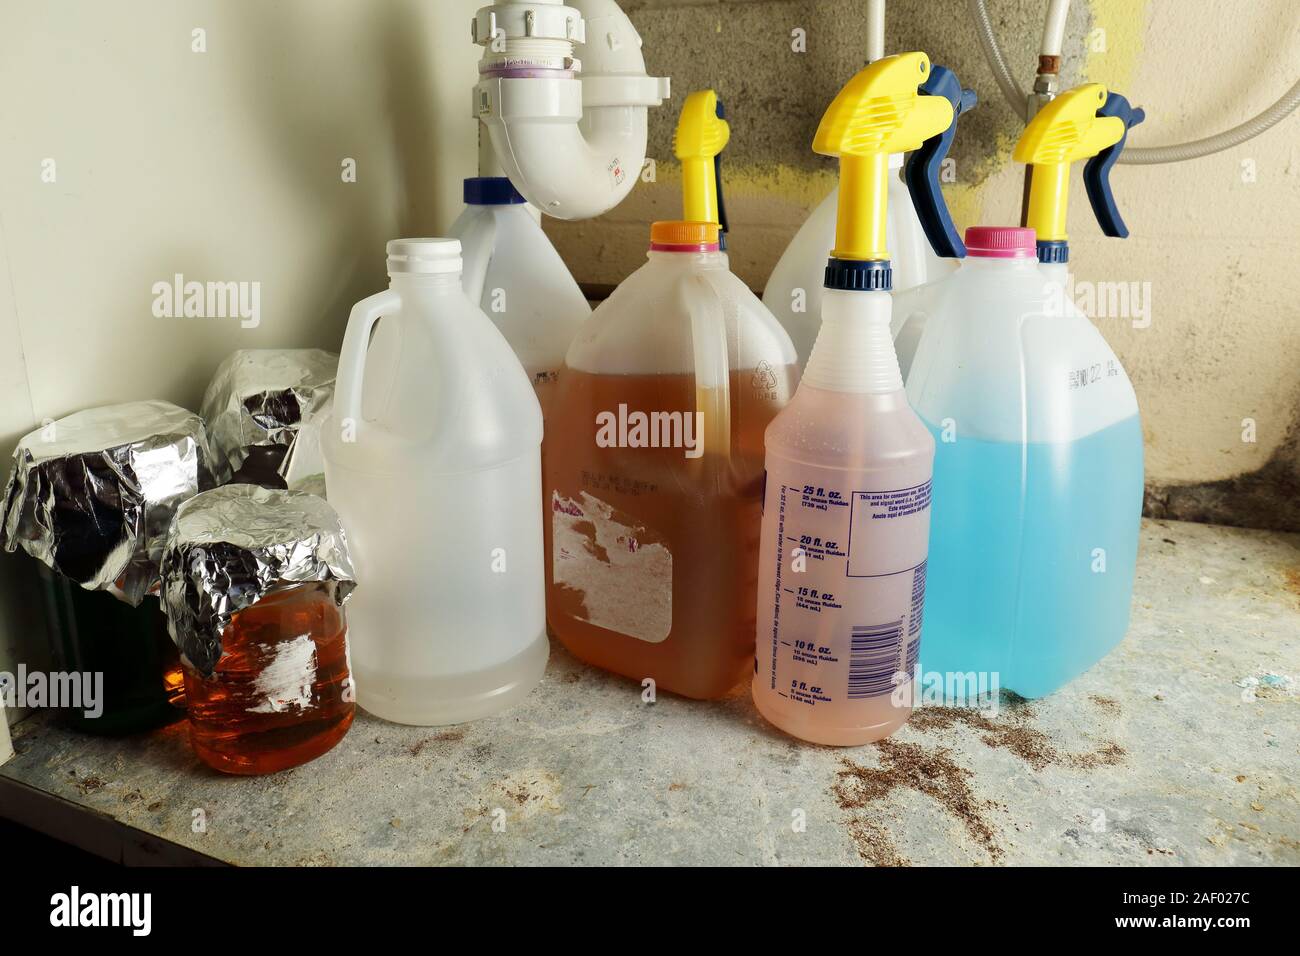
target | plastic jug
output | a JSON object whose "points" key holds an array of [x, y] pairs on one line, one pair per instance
{"points": [[794, 289], [1037, 475], [846, 518], [432, 462], [513, 271], [654, 469]]}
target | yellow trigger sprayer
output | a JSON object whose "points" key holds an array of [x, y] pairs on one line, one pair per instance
{"points": [[702, 133], [848, 462], [794, 288], [1088, 123]]}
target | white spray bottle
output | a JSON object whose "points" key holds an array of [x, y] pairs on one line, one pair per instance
{"points": [[846, 517]]}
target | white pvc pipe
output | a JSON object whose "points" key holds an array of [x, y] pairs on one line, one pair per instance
{"points": [[875, 30], [1054, 28], [574, 148]]}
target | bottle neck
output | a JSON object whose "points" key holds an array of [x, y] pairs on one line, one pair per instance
{"points": [[854, 351], [700, 259], [1055, 271], [1022, 264], [420, 284]]}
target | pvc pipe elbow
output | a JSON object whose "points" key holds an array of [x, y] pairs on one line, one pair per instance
{"points": [[574, 145], [569, 162]]}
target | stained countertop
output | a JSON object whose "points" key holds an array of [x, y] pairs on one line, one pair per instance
{"points": [[1179, 748]]}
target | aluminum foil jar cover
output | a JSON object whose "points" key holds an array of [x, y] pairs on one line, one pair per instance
{"points": [[229, 547], [261, 399], [92, 494]]}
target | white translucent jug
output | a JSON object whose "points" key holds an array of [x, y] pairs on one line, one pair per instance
{"points": [[436, 476], [515, 274]]}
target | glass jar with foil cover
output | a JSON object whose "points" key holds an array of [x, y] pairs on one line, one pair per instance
{"points": [[263, 409], [254, 582], [90, 496]]}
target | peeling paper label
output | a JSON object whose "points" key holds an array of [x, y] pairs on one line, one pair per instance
{"points": [[286, 682], [624, 584]]}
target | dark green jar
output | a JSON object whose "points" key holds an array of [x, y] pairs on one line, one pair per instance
{"points": [[92, 632]]}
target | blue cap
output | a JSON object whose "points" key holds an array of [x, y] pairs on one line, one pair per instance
{"points": [[1053, 250], [491, 191], [859, 275]]}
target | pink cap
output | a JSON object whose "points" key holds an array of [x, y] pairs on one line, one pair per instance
{"points": [[1001, 242]]}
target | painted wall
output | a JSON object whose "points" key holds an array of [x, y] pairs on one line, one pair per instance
{"points": [[1213, 238], [133, 149]]}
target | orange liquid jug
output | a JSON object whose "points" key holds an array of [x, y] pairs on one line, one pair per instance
{"points": [[653, 470]]}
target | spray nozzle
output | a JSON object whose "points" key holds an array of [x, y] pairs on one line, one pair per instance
{"points": [[925, 164], [1082, 123], [1096, 172], [882, 110], [698, 142]]}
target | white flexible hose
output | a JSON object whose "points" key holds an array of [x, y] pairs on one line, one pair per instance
{"points": [[1181, 152], [1137, 156], [1011, 91], [875, 30]]}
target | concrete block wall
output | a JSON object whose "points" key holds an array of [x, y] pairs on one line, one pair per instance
{"points": [[1216, 356]]}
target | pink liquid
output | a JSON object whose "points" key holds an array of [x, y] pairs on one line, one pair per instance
{"points": [[841, 578]]}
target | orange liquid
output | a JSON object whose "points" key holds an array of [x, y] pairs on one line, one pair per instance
{"points": [[705, 512], [260, 712]]}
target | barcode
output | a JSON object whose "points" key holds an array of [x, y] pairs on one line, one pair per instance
{"points": [[873, 659]]}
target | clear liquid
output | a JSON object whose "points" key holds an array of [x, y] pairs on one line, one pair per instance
{"points": [[1015, 584]]}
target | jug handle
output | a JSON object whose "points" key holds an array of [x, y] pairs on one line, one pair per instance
{"points": [[908, 303], [352, 357], [712, 366], [477, 246]]}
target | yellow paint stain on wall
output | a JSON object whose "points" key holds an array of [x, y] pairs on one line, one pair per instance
{"points": [[1124, 25], [805, 187]]}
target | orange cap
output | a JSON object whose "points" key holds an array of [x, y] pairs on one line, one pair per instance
{"points": [[681, 234]]}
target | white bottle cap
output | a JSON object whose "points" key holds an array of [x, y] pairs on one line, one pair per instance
{"points": [[423, 256]]}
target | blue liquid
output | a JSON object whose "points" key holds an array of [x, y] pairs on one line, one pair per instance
{"points": [[1012, 584]]}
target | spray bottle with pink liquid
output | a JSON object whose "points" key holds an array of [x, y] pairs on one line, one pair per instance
{"points": [[846, 516]]}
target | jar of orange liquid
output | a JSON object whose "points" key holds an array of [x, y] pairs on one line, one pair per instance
{"points": [[254, 582]]}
